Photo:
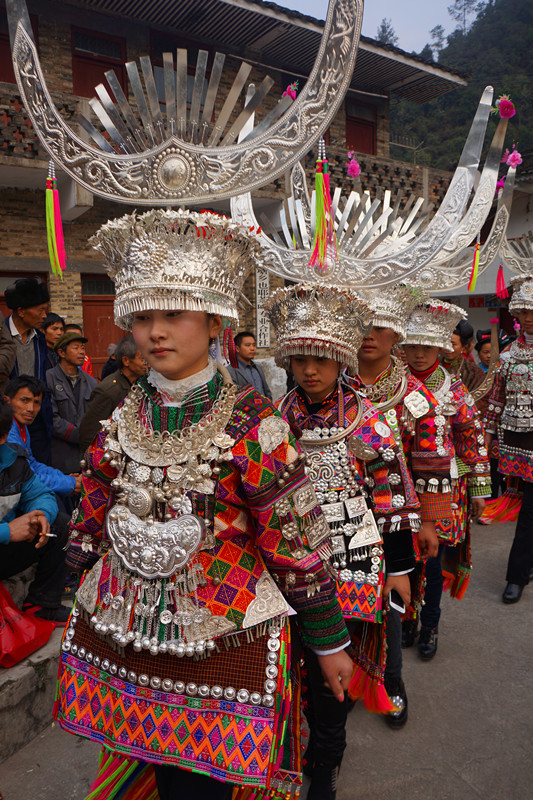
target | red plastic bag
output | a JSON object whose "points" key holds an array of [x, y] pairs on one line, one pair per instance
{"points": [[20, 634]]}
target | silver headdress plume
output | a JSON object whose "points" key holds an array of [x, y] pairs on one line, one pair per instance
{"points": [[518, 255], [379, 245], [432, 323], [184, 157], [168, 259], [319, 321]]}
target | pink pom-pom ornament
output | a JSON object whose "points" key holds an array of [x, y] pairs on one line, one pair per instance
{"points": [[505, 107], [352, 166]]}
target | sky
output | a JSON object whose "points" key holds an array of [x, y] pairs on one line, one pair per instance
{"points": [[411, 19]]}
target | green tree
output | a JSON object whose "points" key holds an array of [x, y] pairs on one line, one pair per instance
{"points": [[460, 10], [437, 40], [496, 50], [386, 33]]}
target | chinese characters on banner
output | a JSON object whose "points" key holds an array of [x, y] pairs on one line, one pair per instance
{"points": [[262, 291]]}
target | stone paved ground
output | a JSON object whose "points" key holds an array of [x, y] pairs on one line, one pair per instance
{"points": [[469, 734]]}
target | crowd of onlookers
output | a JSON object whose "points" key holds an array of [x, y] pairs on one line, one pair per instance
{"points": [[52, 410]]}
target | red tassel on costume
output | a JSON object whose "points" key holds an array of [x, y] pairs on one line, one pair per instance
{"points": [[371, 691], [501, 288], [503, 509], [228, 347]]}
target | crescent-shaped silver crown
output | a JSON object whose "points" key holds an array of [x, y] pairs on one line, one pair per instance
{"points": [[184, 157]]}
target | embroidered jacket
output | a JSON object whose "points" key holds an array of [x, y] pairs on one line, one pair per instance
{"points": [[120, 680], [364, 464], [509, 415], [466, 439], [246, 521], [421, 432]]}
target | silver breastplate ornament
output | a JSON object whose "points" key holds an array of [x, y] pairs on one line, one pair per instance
{"points": [[355, 537], [151, 598], [517, 414]]}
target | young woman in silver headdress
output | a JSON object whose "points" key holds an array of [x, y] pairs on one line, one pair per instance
{"points": [[410, 410], [428, 332], [510, 416], [367, 498], [196, 525]]}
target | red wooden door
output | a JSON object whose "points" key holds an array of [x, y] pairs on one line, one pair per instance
{"points": [[99, 328]]}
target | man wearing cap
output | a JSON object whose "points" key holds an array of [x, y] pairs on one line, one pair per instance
{"points": [[70, 389], [28, 300]]}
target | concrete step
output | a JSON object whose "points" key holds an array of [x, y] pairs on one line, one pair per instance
{"points": [[27, 693]]}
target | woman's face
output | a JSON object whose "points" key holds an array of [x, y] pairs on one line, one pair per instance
{"points": [[421, 356], [525, 318], [484, 354], [316, 376], [456, 348], [377, 345], [175, 343]]}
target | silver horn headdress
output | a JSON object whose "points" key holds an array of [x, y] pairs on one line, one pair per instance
{"points": [[518, 255], [378, 244], [185, 158]]}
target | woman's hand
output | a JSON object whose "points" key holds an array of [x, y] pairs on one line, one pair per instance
{"points": [[428, 541], [402, 584], [337, 670], [477, 505]]}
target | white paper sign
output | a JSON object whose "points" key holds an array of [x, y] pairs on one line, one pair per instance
{"points": [[262, 292]]}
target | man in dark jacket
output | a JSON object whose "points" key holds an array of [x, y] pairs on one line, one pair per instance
{"points": [[247, 370], [8, 353], [27, 509], [112, 390], [28, 300], [70, 389]]}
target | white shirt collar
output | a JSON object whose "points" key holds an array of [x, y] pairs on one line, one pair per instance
{"points": [[174, 392], [14, 332]]}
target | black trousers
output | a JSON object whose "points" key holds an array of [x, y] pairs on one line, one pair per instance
{"points": [[497, 480], [47, 587], [177, 784], [393, 670], [325, 715], [521, 555], [430, 613]]}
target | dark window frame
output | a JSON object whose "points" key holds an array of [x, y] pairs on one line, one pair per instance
{"points": [[82, 59], [369, 124]]}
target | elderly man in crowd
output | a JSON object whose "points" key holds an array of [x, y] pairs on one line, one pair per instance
{"points": [[28, 300], [70, 389]]}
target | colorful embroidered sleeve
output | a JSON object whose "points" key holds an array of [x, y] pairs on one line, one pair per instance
{"points": [[469, 442], [391, 493], [497, 397], [86, 536], [424, 436], [292, 534]]}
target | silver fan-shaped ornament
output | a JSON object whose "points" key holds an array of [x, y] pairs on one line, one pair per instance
{"points": [[186, 155], [379, 242], [518, 253]]}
